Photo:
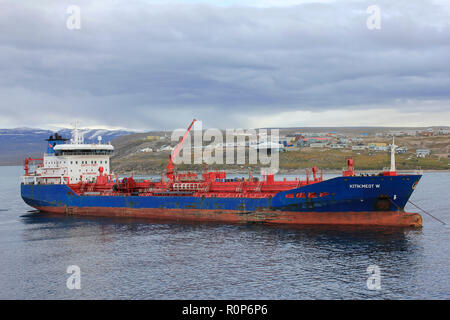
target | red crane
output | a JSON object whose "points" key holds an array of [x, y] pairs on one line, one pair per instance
{"points": [[172, 157]]}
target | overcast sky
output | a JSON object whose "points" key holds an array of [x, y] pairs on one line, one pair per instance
{"points": [[154, 64]]}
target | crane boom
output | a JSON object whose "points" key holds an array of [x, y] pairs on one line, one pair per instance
{"points": [[175, 152]]}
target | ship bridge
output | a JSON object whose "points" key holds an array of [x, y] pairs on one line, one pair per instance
{"points": [[83, 149], [71, 162]]}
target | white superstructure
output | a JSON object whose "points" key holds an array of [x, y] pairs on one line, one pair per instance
{"points": [[72, 162]]}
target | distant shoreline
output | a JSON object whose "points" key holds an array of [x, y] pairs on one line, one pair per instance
{"points": [[255, 171], [281, 171], [288, 172]]}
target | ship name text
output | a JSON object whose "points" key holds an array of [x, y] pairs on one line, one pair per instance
{"points": [[364, 186]]}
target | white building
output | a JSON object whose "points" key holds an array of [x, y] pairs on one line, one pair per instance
{"points": [[318, 145], [380, 148], [165, 148], [401, 150], [269, 146], [422, 153]]}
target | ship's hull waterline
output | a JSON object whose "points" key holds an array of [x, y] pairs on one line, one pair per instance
{"points": [[371, 201]]}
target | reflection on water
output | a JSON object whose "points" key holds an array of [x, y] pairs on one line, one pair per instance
{"points": [[239, 261], [141, 259]]}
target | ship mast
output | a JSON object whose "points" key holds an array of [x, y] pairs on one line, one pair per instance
{"points": [[77, 137], [172, 157], [393, 146]]}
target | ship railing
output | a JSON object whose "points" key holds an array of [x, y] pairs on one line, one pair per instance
{"points": [[91, 193], [410, 172], [186, 186], [29, 179]]}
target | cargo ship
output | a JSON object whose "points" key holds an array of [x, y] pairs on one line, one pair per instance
{"points": [[74, 178]]}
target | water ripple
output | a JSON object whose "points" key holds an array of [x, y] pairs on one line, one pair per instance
{"points": [[135, 259]]}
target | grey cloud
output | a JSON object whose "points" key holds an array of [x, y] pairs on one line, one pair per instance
{"points": [[138, 65]]}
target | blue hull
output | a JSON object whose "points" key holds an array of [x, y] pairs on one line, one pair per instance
{"points": [[341, 194]]}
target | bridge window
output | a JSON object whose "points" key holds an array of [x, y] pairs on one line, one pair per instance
{"points": [[300, 195], [83, 152], [312, 195], [290, 195]]}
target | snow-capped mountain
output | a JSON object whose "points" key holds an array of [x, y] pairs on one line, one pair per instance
{"points": [[91, 135], [18, 143]]}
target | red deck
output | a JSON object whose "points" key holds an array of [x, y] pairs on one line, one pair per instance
{"points": [[211, 184]]}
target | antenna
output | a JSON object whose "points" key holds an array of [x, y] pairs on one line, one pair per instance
{"points": [[77, 137]]}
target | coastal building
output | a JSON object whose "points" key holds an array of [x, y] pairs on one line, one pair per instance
{"points": [[358, 148], [318, 145], [380, 148], [377, 144], [165, 148], [152, 138], [307, 142], [422, 153], [301, 143], [401, 150], [411, 133], [426, 133], [269, 146]]}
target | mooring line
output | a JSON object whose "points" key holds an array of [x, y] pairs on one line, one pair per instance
{"points": [[426, 212]]}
